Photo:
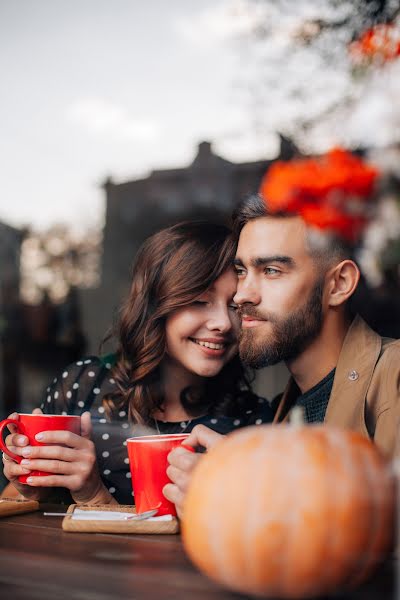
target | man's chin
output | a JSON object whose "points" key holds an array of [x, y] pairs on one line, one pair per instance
{"points": [[255, 357], [256, 339], [258, 355], [258, 361]]}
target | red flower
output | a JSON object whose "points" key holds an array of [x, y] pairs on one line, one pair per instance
{"points": [[331, 219], [381, 42], [329, 192]]}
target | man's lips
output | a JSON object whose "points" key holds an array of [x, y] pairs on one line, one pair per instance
{"points": [[248, 321]]}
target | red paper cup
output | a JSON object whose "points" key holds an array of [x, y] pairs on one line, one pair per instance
{"points": [[32, 424], [148, 463]]}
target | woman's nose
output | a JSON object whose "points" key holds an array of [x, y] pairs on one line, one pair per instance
{"points": [[220, 320]]}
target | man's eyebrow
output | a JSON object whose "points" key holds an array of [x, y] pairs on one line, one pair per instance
{"points": [[237, 262], [261, 261]]}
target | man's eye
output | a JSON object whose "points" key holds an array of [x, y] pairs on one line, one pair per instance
{"points": [[233, 307], [271, 271], [239, 272]]}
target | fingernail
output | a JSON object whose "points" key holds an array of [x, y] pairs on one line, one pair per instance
{"points": [[26, 451], [22, 440], [29, 480], [25, 461], [39, 436]]}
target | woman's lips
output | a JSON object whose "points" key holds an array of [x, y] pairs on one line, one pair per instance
{"points": [[222, 347]]}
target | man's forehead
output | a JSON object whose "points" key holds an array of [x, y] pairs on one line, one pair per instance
{"points": [[270, 236]]}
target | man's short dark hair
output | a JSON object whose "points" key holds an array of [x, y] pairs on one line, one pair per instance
{"points": [[324, 248]]}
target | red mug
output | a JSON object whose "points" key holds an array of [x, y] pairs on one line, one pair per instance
{"points": [[32, 424], [148, 464]]}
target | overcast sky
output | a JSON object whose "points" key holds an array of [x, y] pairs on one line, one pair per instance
{"points": [[93, 88]]}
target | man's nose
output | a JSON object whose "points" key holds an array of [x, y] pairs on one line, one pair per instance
{"points": [[247, 292]]}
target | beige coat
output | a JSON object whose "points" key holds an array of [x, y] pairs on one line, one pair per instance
{"points": [[365, 395]]}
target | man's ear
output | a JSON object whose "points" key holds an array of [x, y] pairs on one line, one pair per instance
{"points": [[342, 281]]}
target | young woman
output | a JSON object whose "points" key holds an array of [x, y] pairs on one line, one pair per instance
{"points": [[176, 366]]}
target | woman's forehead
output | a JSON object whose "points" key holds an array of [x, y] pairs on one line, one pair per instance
{"points": [[226, 281]]}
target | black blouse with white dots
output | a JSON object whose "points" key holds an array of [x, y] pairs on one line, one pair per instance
{"points": [[82, 386]]}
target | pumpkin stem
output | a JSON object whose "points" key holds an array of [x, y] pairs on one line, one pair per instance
{"points": [[296, 416]]}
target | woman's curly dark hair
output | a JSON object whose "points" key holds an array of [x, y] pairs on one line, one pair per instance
{"points": [[173, 268]]}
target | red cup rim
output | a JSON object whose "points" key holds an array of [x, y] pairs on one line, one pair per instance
{"points": [[159, 437], [47, 415]]}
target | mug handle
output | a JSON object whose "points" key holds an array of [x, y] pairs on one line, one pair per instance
{"points": [[20, 428], [188, 448]]}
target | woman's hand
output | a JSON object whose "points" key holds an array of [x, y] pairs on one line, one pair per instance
{"points": [[182, 463], [16, 442], [70, 459]]}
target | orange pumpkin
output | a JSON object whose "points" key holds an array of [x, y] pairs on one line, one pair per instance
{"points": [[289, 512]]}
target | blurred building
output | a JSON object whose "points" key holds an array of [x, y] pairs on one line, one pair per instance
{"points": [[53, 338], [37, 339], [210, 187], [10, 332]]}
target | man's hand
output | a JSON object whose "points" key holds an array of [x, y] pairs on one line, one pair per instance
{"points": [[182, 463]]}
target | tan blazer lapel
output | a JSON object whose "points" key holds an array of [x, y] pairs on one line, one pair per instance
{"points": [[288, 399], [357, 360]]}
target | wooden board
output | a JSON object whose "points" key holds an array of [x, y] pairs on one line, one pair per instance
{"points": [[145, 526], [14, 506]]}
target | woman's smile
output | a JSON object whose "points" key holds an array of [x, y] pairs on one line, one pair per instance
{"points": [[212, 347]]}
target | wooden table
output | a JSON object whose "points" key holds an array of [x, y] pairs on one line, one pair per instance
{"points": [[39, 561]]}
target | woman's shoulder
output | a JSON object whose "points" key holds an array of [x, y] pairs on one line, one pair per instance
{"points": [[79, 383], [88, 366]]}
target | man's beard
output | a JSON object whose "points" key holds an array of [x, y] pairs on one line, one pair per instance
{"points": [[289, 337]]}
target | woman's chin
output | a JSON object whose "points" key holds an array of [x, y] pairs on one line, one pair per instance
{"points": [[209, 370]]}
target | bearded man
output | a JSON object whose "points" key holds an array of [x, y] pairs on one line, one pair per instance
{"points": [[294, 287]]}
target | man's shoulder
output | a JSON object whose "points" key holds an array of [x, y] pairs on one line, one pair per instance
{"points": [[384, 390], [362, 341], [390, 345], [390, 355], [385, 349]]}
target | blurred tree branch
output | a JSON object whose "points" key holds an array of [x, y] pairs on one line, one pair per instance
{"points": [[56, 260], [297, 75]]}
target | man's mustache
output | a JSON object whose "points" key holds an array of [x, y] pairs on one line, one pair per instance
{"points": [[251, 311]]}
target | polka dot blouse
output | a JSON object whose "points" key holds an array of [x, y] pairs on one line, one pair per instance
{"points": [[82, 385]]}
